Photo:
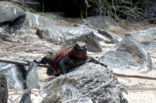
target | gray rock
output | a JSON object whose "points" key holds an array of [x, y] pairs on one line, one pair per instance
{"points": [[12, 17], [36, 21], [26, 97], [51, 30], [32, 80], [128, 54], [104, 25], [100, 22], [87, 81], [20, 76], [51, 34], [39, 21], [14, 75], [5, 35], [9, 12], [83, 34], [113, 38], [69, 35], [149, 45]]}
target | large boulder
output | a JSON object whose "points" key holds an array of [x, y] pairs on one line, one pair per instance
{"points": [[128, 54], [90, 82], [11, 15]]}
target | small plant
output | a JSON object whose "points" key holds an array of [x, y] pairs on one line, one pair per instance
{"points": [[30, 10], [34, 11]]}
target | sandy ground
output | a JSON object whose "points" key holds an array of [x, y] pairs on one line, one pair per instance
{"points": [[140, 90], [30, 47]]}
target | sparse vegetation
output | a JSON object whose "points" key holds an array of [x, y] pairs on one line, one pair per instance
{"points": [[126, 9], [33, 11]]}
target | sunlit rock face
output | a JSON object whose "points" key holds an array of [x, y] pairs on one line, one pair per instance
{"points": [[89, 82], [34, 20], [9, 12], [128, 54]]}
